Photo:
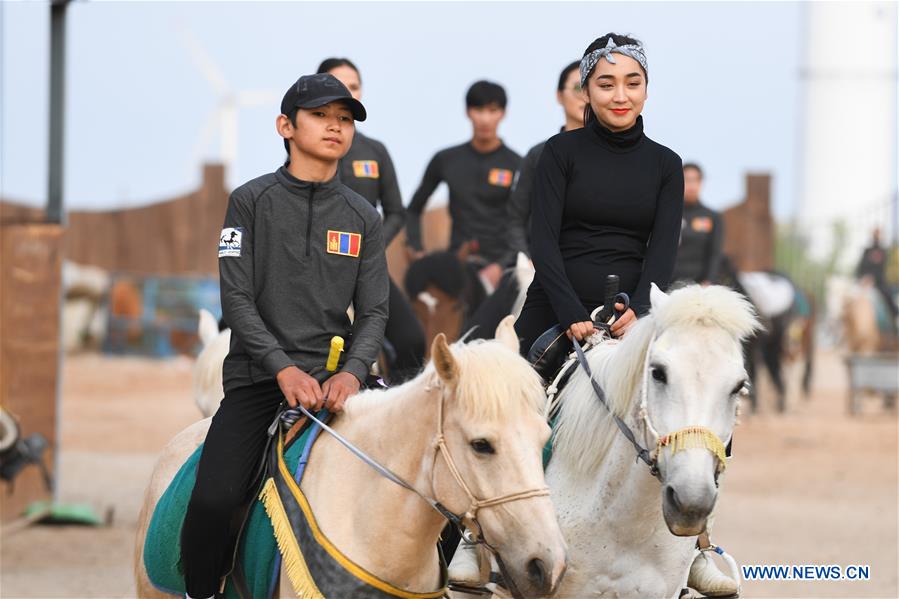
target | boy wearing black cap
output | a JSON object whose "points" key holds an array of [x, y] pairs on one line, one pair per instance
{"points": [[297, 248]]}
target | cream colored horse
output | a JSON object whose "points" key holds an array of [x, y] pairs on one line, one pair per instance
{"points": [[858, 310], [494, 427]]}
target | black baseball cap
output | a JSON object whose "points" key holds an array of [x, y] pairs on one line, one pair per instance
{"points": [[312, 91]]}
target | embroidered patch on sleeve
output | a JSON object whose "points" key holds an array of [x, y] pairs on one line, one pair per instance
{"points": [[500, 177], [344, 244], [702, 224], [366, 169], [229, 242]]}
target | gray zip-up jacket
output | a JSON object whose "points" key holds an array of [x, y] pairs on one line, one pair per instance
{"points": [[293, 256]]}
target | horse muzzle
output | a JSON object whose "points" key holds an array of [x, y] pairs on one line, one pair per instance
{"points": [[538, 575], [687, 508]]}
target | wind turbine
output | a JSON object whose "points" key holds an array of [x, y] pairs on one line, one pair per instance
{"points": [[224, 120]]}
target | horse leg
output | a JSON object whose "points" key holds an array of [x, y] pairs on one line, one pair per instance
{"points": [[808, 346], [749, 358], [772, 353]]}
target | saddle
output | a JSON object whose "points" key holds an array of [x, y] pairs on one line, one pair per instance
{"points": [[549, 352]]}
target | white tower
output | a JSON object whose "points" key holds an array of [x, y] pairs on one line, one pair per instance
{"points": [[848, 147]]}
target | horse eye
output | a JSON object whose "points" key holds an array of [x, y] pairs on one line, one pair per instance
{"points": [[742, 387], [659, 374], [482, 446]]}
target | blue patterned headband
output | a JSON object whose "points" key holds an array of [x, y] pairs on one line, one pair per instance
{"points": [[635, 51]]}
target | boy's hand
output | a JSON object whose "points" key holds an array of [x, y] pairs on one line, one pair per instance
{"points": [[299, 387], [338, 388]]}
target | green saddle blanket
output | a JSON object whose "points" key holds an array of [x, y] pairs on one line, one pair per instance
{"points": [[258, 547]]}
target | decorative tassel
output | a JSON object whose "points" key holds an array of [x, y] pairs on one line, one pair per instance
{"points": [[692, 438], [294, 564]]}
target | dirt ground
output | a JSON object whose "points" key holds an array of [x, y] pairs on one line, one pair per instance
{"points": [[813, 486]]}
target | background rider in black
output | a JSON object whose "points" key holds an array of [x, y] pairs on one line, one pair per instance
{"points": [[479, 174], [571, 98], [608, 200], [368, 170], [702, 234], [873, 264]]}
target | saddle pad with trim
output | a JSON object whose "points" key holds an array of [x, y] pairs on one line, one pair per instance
{"points": [[258, 549], [316, 568]]}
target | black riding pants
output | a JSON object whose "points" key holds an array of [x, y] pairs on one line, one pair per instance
{"points": [[227, 476]]}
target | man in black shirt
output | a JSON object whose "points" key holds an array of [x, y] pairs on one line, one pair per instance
{"points": [[479, 174], [572, 100], [702, 234]]}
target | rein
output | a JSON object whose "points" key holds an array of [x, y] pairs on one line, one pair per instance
{"points": [[290, 416], [642, 453]]}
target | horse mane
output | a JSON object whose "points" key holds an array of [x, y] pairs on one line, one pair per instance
{"points": [[584, 431], [494, 382]]}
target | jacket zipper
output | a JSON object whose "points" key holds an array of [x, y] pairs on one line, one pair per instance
{"points": [[309, 223]]}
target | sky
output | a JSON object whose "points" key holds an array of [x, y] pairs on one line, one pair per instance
{"points": [[724, 85]]}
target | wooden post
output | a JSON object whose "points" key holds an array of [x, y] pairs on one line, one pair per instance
{"points": [[30, 279]]}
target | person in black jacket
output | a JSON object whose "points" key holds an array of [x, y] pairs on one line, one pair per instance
{"points": [[296, 249], [607, 200], [702, 234], [368, 170], [571, 98], [873, 264], [479, 174]]}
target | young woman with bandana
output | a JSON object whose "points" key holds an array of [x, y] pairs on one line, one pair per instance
{"points": [[607, 200]]}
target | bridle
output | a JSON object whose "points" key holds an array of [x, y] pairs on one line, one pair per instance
{"points": [[685, 438], [464, 522], [475, 504]]}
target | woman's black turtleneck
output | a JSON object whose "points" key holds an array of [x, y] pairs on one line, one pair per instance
{"points": [[604, 203]]}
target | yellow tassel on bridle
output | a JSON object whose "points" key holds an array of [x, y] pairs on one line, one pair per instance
{"points": [[693, 437]]}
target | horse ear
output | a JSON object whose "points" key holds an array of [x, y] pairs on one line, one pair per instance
{"points": [[443, 359], [657, 297], [505, 333], [522, 261], [208, 328]]}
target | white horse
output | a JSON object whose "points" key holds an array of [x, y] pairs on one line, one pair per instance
{"points": [[680, 368], [207, 371], [494, 427]]}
